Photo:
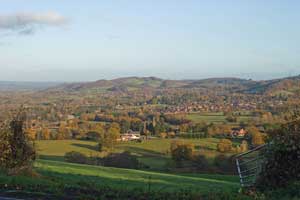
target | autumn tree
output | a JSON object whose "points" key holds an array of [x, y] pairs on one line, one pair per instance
{"points": [[110, 138], [257, 139], [181, 151], [17, 152], [31, 133], [46, 135], [63, 131], [225, 145], [256, 136]]}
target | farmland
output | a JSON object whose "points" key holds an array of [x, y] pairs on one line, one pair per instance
{"points": [[153, 153], [215, 117]]}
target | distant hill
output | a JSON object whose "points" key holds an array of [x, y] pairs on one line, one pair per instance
{"points": [[285, 85]]}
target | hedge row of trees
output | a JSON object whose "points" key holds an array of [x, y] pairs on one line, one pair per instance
{"points": [[184, 155]]}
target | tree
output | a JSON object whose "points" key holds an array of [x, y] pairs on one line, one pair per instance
{"points": [[282, 163], [17, 152], [181, 152], [63, 131], [244, 146], [225, 145], [110, 138], [31, 132], [46, 134], [125, 126], [256, 137], [231, 118]]}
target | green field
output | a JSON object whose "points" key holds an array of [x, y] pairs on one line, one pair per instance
{"points": [[207, 117], [217, 118], [55, 176], [152, 153]]}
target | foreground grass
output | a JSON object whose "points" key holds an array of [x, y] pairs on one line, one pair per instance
{"points": [[127, 178], [58, 178]]}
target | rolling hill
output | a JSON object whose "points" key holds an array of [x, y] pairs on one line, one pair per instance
{"points": [[236, 85]]}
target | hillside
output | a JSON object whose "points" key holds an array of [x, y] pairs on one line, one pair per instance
{"points": [[289, 84], [59, 180]]}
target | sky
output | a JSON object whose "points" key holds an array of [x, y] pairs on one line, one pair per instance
{"points": [[67, 40]]}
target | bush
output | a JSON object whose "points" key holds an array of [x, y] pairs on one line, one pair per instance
{"points": [[93, 135], [201, 162], [121, 160], [244, 146], [282, 163], [225, 145], [225, 164], [231, 118], [76, 157], [181, 152], [163, 135]]}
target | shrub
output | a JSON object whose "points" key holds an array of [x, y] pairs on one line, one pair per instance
{"points": [[225, 164], [100, 146], [257, 139], [163, 135], [93, 135], [76, 157], [181, 152], [282, 163], [231, 118], [200, 162], [244, 146], [225, 145], [121, 160], [171, 134]]}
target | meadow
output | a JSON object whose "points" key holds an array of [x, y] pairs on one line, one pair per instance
{"points": [[58, 178], [216, 117], [152, 153]]}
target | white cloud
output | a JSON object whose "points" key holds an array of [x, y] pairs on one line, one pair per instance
{"points": [[28, 23]]}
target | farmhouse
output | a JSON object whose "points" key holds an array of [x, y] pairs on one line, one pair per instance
{"points": [[131, 136], [238, 132]]}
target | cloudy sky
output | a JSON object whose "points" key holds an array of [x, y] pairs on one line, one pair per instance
{"points": [[64, 40]]}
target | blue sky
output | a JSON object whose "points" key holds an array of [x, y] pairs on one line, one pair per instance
{"points": [[191, 39]]}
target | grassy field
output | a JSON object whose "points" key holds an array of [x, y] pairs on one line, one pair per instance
{"points": [[56, 177], [207, 117], [214, 117], [127, 178], [152, 153]]}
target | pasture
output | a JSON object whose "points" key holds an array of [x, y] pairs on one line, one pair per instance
{"points": [[217, 118], [73, 180], [153, 153]]}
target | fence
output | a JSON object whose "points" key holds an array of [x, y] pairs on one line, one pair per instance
{"points": [[249, 165]]}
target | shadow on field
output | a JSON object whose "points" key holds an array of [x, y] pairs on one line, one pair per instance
{"points": [[199, 147], [86, 146], [139, 179], [48, 157], [143, 152]]}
